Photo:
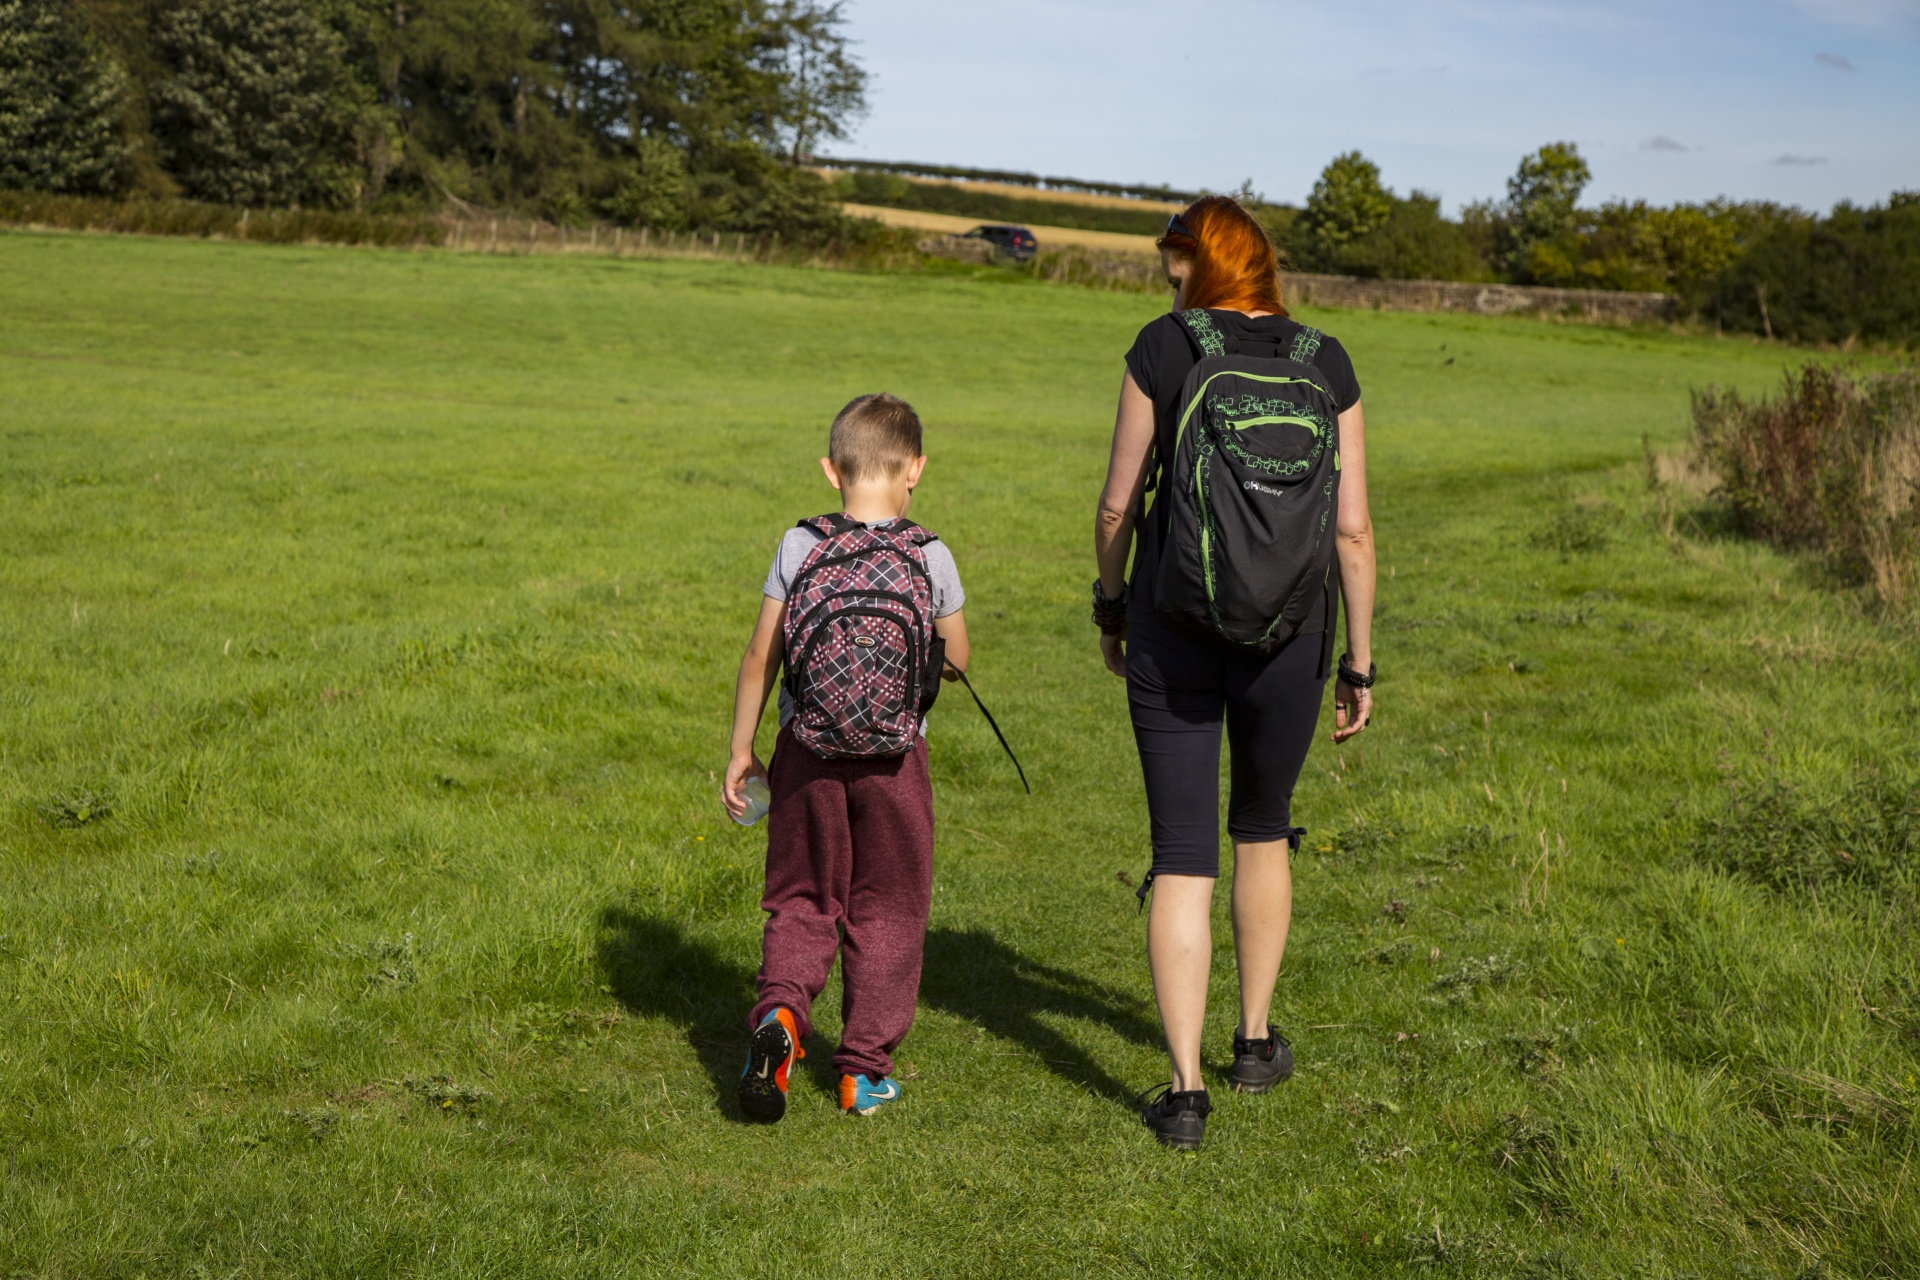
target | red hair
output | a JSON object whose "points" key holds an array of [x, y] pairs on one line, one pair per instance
{"points": [[1234, 266]]}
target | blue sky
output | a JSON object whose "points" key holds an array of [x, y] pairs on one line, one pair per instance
{"points": [[1802, 101]]}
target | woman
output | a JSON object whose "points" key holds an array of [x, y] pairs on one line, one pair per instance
{"points": [[1182, 685]]}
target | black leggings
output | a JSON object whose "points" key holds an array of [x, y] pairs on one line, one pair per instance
{"points": [[1179, 688]]}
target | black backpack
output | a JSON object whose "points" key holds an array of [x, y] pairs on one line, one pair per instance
{"points": [[1251, 494]]}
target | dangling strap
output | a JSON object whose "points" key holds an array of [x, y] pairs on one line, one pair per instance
{"points": [[994, 725], [1334, 599]]}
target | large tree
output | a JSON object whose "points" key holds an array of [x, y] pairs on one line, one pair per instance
{"points": [[1347, 204], [248, 111], [659, 112], [1543, 198], [61, 103], [822, 89]]}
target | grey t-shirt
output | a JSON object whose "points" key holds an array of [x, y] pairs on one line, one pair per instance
{"points": [[798, 543]]}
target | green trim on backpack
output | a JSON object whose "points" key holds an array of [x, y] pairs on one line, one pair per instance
{"points": [[1200, 393], [1206, 334], [1306, 344]]}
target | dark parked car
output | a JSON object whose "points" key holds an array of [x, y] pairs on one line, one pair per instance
{"points": [[1015, 242]]}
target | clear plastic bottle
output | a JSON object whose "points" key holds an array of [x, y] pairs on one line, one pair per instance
{"points": [[759, 800]]}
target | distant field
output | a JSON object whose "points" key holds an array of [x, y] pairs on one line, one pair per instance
{"points": [[1049, 237], [369, 623], [1086, 199]]}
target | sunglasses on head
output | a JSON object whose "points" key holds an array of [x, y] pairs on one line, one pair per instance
{"points": [[1176, 227]]}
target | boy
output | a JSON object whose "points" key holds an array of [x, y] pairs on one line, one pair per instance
{"points": [[874, 626]]}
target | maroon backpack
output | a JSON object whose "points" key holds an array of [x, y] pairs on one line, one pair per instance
{"points": [[863, 662]]}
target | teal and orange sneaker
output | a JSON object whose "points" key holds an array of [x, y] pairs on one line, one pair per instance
{"points": [[860, 1096], [770, 1057]]}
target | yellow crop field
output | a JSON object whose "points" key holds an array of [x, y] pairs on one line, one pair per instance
{"points": [[1049, 237], [1083, 198]]}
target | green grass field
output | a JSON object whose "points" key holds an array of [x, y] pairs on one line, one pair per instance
{"points": [[369, 624]]}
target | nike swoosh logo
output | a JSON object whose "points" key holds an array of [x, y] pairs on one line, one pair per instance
{"points": [[765, 1069], [893, 1091]]}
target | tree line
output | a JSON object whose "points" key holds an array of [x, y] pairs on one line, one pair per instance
{"points": [[663, 113], [677, 114], [1753, 266]]}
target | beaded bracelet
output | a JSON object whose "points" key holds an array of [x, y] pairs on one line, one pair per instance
{"points": [[1354, 678], [1108, 614]]}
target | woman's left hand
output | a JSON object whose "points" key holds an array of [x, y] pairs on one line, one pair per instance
{"points": [[1352, 709], [1113, 649]]}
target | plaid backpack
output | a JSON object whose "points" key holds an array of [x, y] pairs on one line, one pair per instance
{"points": [[863, 662]]}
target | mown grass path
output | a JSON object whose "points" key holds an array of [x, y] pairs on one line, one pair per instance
{"points": [[390, 604]]}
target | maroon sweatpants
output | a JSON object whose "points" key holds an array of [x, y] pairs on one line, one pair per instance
{"points": [[849, 867]]}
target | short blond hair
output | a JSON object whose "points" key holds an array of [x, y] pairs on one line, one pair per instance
{"points": [[875, 435]]}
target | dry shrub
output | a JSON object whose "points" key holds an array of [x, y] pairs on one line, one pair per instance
{"points": [[1832, 464], [1099, 269]]}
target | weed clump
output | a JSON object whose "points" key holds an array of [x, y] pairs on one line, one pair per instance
{"points": [[1398, 952], [393, 961], [1832, 465], [1774, 834], [1364, 839], [1476, 972], [80, 809], [442, 1093], [1575, 530]]}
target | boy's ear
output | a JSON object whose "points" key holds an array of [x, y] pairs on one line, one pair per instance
{"points": [[914, 469], [833, 472]]}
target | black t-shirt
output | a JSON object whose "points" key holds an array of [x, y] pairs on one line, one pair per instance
{"points": [[1160, 359]]}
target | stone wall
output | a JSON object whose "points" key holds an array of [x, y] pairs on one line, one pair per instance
{"points": [[1605, 305], [1135, 271], [964, 248]]}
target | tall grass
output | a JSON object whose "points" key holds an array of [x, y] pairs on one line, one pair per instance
{"points": [[1832, 463]]}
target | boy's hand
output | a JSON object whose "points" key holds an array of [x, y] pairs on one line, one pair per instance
{"points": [[739, 769]]}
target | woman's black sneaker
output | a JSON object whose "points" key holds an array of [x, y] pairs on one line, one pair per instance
{"points": [[1258, 1065], [1178, 1119]]}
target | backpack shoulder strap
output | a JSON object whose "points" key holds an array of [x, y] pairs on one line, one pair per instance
{"points": [[1306, 344], [830, 525], [918, 536], [1204, 333]]}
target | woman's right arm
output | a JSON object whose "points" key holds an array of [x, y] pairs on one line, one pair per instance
{"points": [[1113, 523], [1352, 707]]}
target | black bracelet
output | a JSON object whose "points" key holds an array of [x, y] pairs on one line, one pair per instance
{"points": [[1109, 615], [1354, 678]]}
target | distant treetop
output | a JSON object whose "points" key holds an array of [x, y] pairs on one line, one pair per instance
{"points": [[1014, 177]]}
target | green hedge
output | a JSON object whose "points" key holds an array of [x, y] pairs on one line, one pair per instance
{"points": [[192, 218]]}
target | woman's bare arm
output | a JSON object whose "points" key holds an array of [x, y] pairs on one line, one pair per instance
{"points": [[1353, 545], [1119, 499]]}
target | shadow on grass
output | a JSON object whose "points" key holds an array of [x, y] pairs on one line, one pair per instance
{"points": [[972, 974], [656, 970]]}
